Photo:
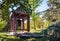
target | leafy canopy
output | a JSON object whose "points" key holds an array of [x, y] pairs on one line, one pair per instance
{"points": [[27, 6]]}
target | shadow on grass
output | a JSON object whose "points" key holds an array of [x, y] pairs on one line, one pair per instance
{"points": [[30, 39]]}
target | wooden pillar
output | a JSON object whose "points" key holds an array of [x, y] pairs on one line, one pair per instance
{"points": [[28, 23], [22, 23], [13, 24]]}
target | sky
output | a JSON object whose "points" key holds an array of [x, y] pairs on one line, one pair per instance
{"points": [[42, 7]]}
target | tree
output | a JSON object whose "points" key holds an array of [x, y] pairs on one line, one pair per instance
{"points": [[53, 15], [25, 5], [35, 4]]}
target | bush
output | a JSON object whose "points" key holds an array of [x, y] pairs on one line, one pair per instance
{"points": [[3, 23]]}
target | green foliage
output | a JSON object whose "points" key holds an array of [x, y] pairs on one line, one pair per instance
{"points": [[2, 24], [34, 5], [27, 6]]}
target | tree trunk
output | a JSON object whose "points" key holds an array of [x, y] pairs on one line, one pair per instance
{"points": [[34, 25]]}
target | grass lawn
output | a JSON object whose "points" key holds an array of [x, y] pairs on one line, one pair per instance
{"points": [[4, 37], [14, 38]]}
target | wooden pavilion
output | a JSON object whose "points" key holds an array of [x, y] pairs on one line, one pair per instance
{"points": [[19, 15]]}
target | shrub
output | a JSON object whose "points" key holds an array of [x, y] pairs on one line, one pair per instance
{"points": [[3, 23]]}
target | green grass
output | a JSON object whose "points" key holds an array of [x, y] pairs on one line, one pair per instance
{"points": [[4, 37], [19, 39]]}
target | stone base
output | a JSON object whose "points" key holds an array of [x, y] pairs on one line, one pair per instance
{"points": [[22, 32], [11, 33]]}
